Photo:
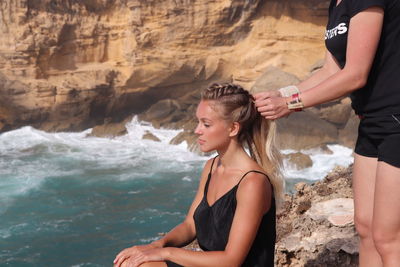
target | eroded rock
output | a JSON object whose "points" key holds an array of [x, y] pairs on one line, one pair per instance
{"points": [[299, 160]]}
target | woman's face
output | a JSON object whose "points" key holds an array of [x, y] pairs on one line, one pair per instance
{"points": [[213, 131]]}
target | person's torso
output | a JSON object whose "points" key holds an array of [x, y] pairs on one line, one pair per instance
{"points": [[381, 95], [213, 224]]}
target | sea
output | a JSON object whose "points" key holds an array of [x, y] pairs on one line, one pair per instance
{"points": [[71, 199]]}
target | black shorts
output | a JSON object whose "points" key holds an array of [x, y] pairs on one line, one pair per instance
{"points": [[379, 137]]}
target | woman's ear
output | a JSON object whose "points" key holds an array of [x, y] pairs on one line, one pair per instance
{"points": [[234, 130]]}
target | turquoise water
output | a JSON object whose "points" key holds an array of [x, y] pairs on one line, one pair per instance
{"points": [[67, 199]]}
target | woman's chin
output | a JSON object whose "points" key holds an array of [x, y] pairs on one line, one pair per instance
{"points": [[205, 149]]}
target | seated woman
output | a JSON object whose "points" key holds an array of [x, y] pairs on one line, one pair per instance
{"points": [[233, 213]]}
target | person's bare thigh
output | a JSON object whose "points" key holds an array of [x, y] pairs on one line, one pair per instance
{"points": [[387, 203], [364, 176], [154, 264]]}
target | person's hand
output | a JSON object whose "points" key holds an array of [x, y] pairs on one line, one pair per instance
{"points": [[266, 94], [133, 252], [155, 254], [271, 105]]}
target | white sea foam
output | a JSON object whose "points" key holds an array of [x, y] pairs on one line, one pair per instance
{"points": [[322, 163], [29, 156], [187, 179]]}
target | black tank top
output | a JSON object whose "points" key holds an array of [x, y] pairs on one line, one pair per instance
{"points": [[213, 224]]}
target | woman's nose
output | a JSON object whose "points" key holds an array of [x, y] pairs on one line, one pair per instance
{"points": [[197, 130]]}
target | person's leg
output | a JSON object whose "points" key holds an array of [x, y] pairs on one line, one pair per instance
{"points": [[364, 174], [154, 264], [147, 264], [386, 221]]}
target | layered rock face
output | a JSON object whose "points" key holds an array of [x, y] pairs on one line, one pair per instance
{"points": [[70, 65], [316, 225]]}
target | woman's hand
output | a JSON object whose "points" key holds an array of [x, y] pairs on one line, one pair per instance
{"points": [[271, 105], [141, 256], [133, 253]]}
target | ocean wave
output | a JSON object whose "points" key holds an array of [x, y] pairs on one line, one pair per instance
{"points": [[323, 163], [28, 157]]}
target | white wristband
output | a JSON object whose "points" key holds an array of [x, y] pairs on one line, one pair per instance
{"points": [[289, 90]]}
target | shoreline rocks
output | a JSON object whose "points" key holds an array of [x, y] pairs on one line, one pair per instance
{"points": [[316, 225]]}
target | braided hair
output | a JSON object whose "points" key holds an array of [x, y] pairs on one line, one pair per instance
{"points": [[236, 104]]}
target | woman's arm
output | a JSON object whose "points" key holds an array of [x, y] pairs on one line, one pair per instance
{"points": [[181, 235], [253, 201], [329, 68], [363, 39]]}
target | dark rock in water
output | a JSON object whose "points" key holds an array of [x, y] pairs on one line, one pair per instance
{"points": [[186, 136], [149, 136], [109, 130], [325, 149], [160, 113], [299, 160]]}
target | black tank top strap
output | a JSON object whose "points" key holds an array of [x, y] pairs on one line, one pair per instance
{"points": [[212, 164], [209, 176], [244, 175]]}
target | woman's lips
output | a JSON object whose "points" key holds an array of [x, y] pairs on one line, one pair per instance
{"points": [[200, 141]]}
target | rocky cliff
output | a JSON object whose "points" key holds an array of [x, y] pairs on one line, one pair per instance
{"points": [[70, 65]]}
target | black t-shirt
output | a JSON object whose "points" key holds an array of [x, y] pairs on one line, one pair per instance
{"points": [[381, 95]]}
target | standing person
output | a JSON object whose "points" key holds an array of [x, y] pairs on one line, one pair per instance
{"points": [[233, 213], [362, 58]]}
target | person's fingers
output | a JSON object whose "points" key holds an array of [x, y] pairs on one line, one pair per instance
{"points": [[120, 257], [262, 95], [264, 109], [268, 113], [120, 260], [264, 102], [258, 96]]}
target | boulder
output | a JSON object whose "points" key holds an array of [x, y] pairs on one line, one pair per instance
{"points": [[302, 130], [189, 137], [109, 130], [317, 229], [273, 78], [149, 136], [162, 112], [299, 160], [348, 135], [338, 211], [336, 112]]}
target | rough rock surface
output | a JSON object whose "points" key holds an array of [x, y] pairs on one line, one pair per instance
{"points": [[71, 65], [316, 226], [299, 160]]}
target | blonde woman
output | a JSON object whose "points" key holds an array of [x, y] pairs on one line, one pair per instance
{"points": [[233, 213]]}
